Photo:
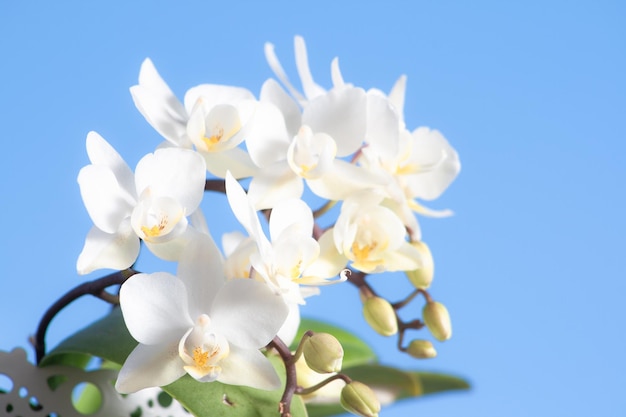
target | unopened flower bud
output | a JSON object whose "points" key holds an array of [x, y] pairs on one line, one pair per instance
{"points": [[422, 277], [380, 315], [437, 319], [359, 399], [323, 353], [421, 349]]}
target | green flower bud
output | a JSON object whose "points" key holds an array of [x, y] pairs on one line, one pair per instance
{"points": [[421, 349], [359, 399], [380, 315], [323, 353], [437, 319], [421, 278]]}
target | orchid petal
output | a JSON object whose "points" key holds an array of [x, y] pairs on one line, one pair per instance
{"points": [[247, 313], [105, 200], [213, 94], [158, 104], [273, 93], [396, 95], [288, 213], [200, 269], [267, 141], [340, 113], [335, 74], [100, 152], [311, 89], [250, 368], [155, 307], [289, 329], [235, 160], [173, 172], [278, 70], [150, 366], [342, 180], [383, 126], [273, 184], [117, 250]]}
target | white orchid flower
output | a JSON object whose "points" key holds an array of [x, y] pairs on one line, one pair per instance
{"points": [[289, 263], [422, 167], [372, 236], [152, 204], [199, 324], [213, 119]]}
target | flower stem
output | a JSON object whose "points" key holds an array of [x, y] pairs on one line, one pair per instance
{"points": [[95, 288], [291, 383]]}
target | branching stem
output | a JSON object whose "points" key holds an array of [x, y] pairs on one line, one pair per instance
{"points": [[95, 288], [291, 384]]}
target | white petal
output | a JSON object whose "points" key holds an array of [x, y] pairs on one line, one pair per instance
{"points": [[335, 73], [340, 113], [117, 250], [404, 258], [267, 139], [100, 152], [273, 184], [173, 172], [213, 94], [248, 313], [383, 124], [158, 219], [155, 307], [150, 366], [288, 213], [396, 95], [311, 89], [158, 104], [172, 250], [278, 70], [248, 367], [235, 160], [288, 331], [273, 93], [107, 203], [201, 268], [430, 147], [342, 180], [330, 262]]}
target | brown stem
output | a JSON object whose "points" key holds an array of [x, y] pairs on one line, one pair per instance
{"points": [[305, 391], [218, 186], [95, 287], [291, 383]]}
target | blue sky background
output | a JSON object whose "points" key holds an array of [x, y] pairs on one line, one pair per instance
{"points": [[532, 95]]}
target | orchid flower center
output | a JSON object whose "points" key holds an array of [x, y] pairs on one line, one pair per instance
{"points": [[221, 124], [156, 219], [202, 350]]}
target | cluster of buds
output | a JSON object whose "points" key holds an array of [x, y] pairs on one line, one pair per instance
{"points": [[213, 319]]}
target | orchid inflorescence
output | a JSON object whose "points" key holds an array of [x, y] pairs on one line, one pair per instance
{"points": [[228, 311]]}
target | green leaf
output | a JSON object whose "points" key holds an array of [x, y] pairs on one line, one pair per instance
{"points": [[392, 384], [356, 351], [435, 382], [109, 339], [106, 338]]}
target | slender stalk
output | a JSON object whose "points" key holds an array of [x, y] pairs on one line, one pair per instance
{"points": [[291, 384], [218, 186], [305, 391], [95, 288]]}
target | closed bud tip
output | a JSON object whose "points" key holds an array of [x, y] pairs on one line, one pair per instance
{"points": [[421, 278], [323, 353], [421, 349], [359, 399], [437, 319], [380, 315]]}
